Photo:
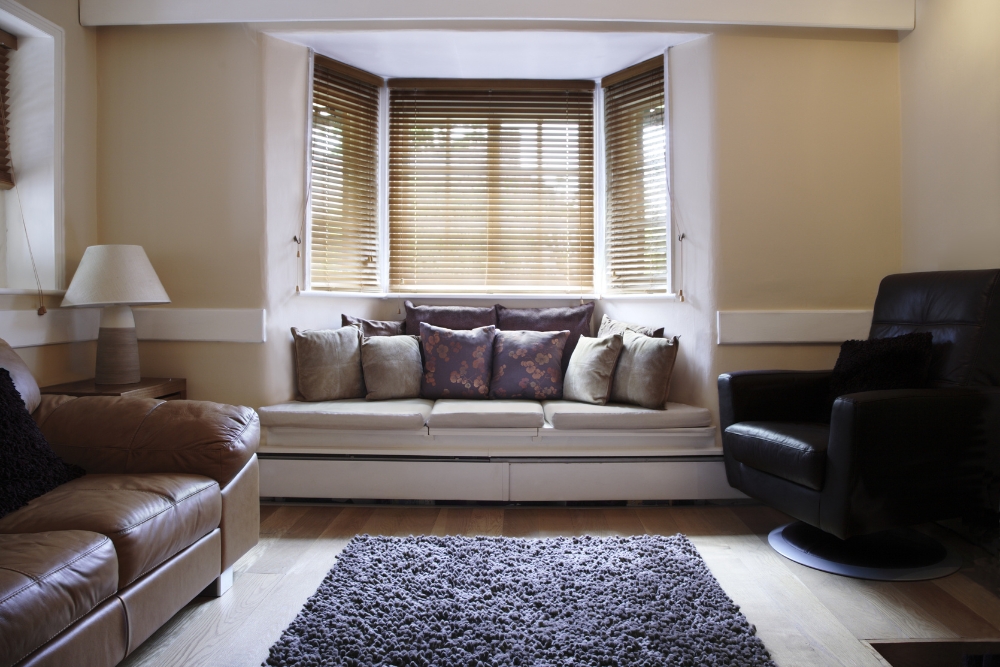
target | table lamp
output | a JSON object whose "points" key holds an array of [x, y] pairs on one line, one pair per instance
{"points": [[115, 277]]}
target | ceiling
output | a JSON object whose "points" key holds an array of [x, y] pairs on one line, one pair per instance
{"points": [[512, 54]]}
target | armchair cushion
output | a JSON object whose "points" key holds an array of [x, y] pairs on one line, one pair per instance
{"points": [[774, 396], [795, 451], [899, 362]]}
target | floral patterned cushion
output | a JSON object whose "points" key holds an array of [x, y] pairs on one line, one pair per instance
{"points": [[457, 364], [528, 364]]}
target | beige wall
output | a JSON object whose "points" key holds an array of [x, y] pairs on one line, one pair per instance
{"points": [[62, 363], [950, 81]]}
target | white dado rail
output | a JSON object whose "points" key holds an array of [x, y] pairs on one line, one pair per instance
{"points": [[756, 327], [24, 328]]}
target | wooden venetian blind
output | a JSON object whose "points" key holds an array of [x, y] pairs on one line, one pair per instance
{"points": [[637, 216], [344, 178], [8, 43], [491, 186]]}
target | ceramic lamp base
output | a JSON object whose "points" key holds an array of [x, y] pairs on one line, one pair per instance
{"points": [[117, 348]]}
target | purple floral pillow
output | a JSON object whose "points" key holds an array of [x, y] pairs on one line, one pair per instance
{"points": [[457, 364], [528, 364]]}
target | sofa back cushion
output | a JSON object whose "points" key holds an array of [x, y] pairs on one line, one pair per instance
{"points": [[457, 364], [28, 466], [576, 320], [456, 318], [642, 376], [374, 327], [610, 326], [328, 363], [591, 369], [21, 376], [392, 367], [528, 364]]}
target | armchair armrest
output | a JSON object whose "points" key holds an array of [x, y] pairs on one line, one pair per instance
{"points": [[773, 396], [134, 435], [908, 455]]}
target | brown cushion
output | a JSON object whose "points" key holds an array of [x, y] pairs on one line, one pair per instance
{"points": [[642, 376], [450, 317], [392, 367], [588, 376], [49, 581], [610, 326], [328, 363], [19, 373], [575, 319], [374, 327], [149, 517]]}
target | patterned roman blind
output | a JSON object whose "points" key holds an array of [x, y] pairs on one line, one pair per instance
{"points": [[344, 178], [491, 186], [637, 214]]}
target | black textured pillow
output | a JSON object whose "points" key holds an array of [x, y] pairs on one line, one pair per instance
{"points": [[28, 466], [875, 364]]}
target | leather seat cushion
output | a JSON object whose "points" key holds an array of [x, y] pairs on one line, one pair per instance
{"points": [[795, 451], [149, 517], [48, 581]]}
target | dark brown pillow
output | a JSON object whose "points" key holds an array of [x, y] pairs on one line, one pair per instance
{"points": [[457, 318], [28, 466], [374, 327], [876, 364], [576, 320], [528, 364], [457, 363]]}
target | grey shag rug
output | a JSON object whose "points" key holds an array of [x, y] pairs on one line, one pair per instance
{"points": [[489, 601]]}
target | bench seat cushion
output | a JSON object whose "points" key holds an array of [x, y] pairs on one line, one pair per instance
{"points": [[455, 413], [149, 517], [49, 581], [401, 414], [570, 415]]}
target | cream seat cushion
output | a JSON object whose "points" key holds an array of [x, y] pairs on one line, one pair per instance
{"points": [[570, 415], [457, 413], [357, 414]]}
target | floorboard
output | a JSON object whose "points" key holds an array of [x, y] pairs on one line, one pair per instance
{"points": [[805, 617]]}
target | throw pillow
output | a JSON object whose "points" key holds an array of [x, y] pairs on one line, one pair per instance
{"points": [[457, 364], [457, 318], [576, 320], [328, 363], [902, 362], [391, 366], [374, 327], [528, 364], [19, 373], [610, 326], [591, 368], [642, 376], [28, 466]]}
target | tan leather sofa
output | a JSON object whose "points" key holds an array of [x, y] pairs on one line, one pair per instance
{"points": [[91, 569]]}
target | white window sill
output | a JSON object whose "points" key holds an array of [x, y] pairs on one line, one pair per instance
{"points": [[32, 292], [491, 297]]}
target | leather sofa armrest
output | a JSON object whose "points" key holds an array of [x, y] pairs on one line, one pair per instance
{"points": [[773, 396], [136, 435], [908, 455]]}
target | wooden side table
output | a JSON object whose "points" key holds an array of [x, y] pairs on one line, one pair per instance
{"points": [[166, 388]]}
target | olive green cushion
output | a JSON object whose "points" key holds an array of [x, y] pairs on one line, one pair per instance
{"points": [[591, 368], [328, 363], [392, 367], [642, 376]]}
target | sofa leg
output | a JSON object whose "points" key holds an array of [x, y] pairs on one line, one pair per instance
{"points": [[221, 584]]}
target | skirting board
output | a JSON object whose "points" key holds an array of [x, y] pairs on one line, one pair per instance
{"points": [[883, 14], [756, 327], [493, 480], [25, 328]]}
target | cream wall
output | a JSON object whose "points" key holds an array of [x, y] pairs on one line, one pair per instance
{"points": [[950, 82]]}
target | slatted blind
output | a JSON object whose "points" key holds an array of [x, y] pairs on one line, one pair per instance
{"points": [[344, 178], [491, 186], [8, 43], [637, 217]]}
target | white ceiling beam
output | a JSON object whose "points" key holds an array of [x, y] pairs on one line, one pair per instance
{"points": [[869, 14]]}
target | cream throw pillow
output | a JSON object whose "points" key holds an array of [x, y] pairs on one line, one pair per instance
{"points": [[392, 367], [328, 363], [591, 368], [642, 376]]}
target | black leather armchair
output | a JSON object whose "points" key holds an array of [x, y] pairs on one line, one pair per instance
{"points": [[882, 459]]}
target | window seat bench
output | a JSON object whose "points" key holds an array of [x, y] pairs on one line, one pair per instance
{"points": [[418, 449]]}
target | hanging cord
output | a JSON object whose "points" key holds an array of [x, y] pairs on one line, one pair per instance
{"points": [[20, 208]]}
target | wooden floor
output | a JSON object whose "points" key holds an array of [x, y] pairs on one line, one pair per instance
{"points": [[805, 617]]}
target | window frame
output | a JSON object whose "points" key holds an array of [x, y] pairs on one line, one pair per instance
{"points": [[599, 225]]}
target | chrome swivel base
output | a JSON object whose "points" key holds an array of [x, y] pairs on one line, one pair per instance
{"points": [[894, 555]]}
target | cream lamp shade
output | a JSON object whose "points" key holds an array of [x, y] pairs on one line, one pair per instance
{"points": [[115, 277]]}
